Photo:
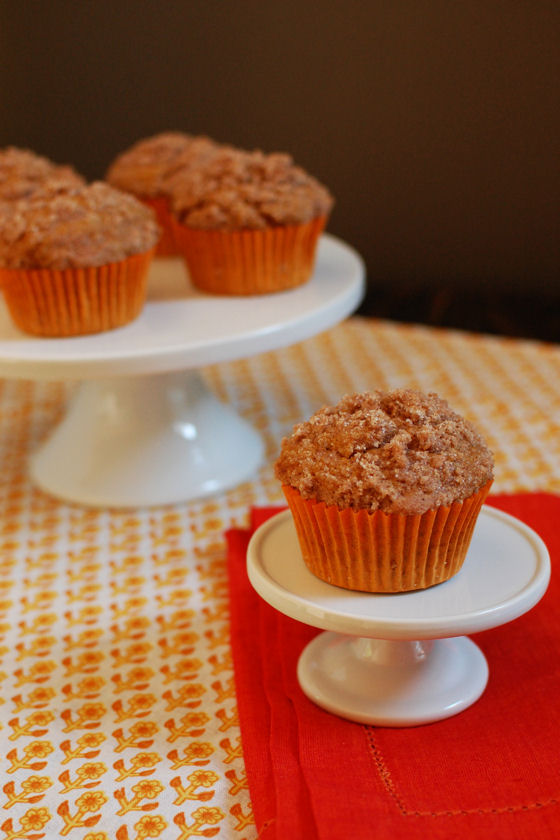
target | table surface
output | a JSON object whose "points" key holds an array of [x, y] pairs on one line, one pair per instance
{"points": [[118, 711]]}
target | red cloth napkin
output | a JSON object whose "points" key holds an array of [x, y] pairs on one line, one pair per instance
{"points": [[490, 773]]}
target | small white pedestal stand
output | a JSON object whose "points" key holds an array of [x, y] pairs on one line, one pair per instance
{"points": [[401, 660], [143, 429]]}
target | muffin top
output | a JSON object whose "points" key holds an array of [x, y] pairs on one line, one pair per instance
{"points": [[398, 452], [81, 227], [145, 167], [22, 172], [236, 189]]}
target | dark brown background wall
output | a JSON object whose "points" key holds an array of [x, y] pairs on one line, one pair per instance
{"points": [[434, 122]]}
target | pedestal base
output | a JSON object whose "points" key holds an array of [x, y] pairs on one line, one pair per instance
{"points": [[144, 441], [392, 683]]}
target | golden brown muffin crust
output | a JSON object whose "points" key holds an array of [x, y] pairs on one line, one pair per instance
{"points": [[399, 452], [145, 167], [83, 227], [22, 172], [237, 189]]}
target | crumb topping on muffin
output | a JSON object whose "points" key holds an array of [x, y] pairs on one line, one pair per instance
{"points": [[145, 167], [236, 189], [399, 452], [22, 172], [82, 227]]}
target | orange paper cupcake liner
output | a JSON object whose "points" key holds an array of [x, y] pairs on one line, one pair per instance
{"points": [[166, 246], [250, 262], [76, 301], [380, 552]]}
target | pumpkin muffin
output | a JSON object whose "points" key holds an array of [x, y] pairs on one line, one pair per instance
{"points": [[248, 222], [385, 489], [145, 168], [76, 261]]}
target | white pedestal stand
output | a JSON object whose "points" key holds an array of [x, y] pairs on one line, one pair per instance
{"points": [[143, 429], [401, 660]]}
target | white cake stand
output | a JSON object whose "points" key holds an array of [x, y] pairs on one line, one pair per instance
{"points": [[401, 660], [143, 428]]}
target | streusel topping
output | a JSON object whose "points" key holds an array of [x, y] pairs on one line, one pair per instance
{"points": [[22, 172], [82, 227], [399, 452], [237, 189], [145, 167]]}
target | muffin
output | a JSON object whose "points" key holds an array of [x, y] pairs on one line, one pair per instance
{"points": [[74, 262], [385, 489], [22, 172], [145, 168], [248, 222]]}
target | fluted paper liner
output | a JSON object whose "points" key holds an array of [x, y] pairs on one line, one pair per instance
{"points": [[166, 246], [76, 301], [380, 552], [249, 262]]}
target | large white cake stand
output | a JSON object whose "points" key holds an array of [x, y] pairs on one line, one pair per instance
{"points": [[142, 427], [402, 660]]}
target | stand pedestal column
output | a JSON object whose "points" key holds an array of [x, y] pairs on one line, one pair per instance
{"points": [[392, 683], [146, 440]]}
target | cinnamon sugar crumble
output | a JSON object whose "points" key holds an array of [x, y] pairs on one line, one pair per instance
{"points": [[399, 452], [22, 172], [80, 227], [145, 167], [236, 189]]}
